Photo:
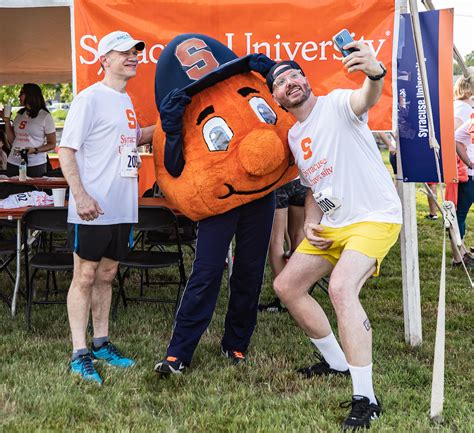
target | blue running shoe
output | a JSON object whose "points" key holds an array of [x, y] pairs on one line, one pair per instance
{"points": [[110, 354], [84, 366]]}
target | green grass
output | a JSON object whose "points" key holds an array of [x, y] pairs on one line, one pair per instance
{"points": [[37, 394]]}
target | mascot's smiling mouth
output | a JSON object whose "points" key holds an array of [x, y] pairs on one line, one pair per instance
{"points": [[232, 191]]}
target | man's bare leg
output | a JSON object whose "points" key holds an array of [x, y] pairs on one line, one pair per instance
{"points": [[292, 286], [350, 273], [102, 296], [295, 225], [79, 300], [277, 248], [102, 348]]}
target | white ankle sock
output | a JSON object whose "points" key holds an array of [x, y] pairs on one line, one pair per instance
{"points": [[362, 382], [332, 352]]}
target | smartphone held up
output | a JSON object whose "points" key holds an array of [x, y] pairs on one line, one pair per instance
{"points": [[341, 39]]}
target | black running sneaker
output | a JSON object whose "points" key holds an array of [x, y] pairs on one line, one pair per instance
{"points": [[468, 261], [272, 307], [321, 368], [362, 413], [236, 356], [170, 365]]}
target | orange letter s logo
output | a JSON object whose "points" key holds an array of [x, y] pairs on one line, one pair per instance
{"points": [[22, 124], [306, 148], [132, 121], [193, 54]]}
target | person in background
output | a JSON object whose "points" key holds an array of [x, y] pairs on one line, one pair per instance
{"points": [[465, 148], [289, 217], [4, 150], [388, 140], [33, 130], [433, 209], [463, 91]]}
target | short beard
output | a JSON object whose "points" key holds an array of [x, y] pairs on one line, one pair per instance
{"points": [[306, 94]]}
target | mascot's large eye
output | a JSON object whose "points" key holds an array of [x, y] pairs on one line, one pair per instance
{"points": [[263, 111], [217, 134]]}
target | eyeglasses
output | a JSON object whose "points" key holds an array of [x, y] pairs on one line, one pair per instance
{"points": [[280, 81]]}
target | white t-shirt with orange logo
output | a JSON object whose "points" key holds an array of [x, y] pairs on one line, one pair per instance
{"points": [[465, 134], [31, 132], [339, 160], [101, 126]]}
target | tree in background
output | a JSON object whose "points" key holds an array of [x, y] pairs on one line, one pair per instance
{"points": [[468, 60], [51, 92]]}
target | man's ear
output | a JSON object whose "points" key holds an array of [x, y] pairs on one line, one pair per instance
{"points": [[275, 99], [103, 60]]}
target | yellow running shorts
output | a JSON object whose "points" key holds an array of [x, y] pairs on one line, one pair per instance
{"points": [[369, 238]]}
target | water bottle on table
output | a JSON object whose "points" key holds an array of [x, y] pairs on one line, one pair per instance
{"points": [[23, 165]]}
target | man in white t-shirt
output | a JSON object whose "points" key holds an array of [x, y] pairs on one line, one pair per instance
{"points": [[99, 159], [352, 218]]}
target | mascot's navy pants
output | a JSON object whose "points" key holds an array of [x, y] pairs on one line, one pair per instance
{"points": [[252, 224]]}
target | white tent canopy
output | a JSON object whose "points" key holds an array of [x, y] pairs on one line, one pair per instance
{"points": [[36, 41]]}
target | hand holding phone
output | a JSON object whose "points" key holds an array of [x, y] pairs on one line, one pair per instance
{"points": [[341, 39]]}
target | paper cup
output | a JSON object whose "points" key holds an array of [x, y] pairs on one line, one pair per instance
{"points": [[59, 194], [7, 110]]}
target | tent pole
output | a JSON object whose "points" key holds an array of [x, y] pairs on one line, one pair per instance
{"points": [[428, 4]]}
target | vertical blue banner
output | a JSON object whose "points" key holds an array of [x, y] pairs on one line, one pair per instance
{"points": [[418, 161]]}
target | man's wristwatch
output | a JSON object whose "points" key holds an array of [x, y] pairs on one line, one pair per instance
{"points": [[36, 150], [379, 76]]}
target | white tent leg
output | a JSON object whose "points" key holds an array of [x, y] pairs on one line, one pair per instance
{"points": [[410, 265]]}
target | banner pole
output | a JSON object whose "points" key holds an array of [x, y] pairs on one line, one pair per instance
{"points": [[437, 386], [409, 247]]}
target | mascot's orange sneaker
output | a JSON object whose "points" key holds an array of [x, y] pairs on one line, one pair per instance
{"points": [[170, 365], [234, 355]]}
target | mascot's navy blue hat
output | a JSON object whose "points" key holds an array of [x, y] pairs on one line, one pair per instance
{"points": [[189, 64]]}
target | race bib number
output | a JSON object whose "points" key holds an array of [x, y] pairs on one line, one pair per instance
{"points": [[326, 202], [129, 161]]}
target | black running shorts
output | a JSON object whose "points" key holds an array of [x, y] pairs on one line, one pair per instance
{"points": [[290, 194], [92, 242]]}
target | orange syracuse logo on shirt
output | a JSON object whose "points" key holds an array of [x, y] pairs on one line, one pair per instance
{"points": [[306, 148], [132, 120]]}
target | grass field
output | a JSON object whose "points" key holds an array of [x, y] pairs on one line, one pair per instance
{"points": [[38, 394]]}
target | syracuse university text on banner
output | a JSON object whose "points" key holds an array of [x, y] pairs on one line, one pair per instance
{"points": [[295, 29]]}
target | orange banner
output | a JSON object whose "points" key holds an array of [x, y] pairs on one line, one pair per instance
{"points": [[282, 29]]}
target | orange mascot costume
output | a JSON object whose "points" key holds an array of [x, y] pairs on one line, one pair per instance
{"points": [[220, 149]]}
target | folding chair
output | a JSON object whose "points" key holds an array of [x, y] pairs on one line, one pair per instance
{"points": [[165, 236], [7, 254], [152, 218], [52, 223], [323, 284]]}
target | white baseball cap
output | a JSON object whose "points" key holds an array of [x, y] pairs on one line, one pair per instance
{"points": [[118, 41]]}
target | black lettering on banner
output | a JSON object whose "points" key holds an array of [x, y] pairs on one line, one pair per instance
{"points": [[22, 197]]}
